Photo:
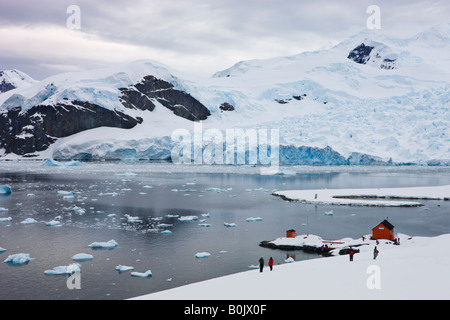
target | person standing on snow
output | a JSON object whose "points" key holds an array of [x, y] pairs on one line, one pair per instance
{"points": [[261, 264], [351, 252], [375, 253], [271, 263]]}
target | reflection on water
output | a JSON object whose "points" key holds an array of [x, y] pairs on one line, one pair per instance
{"points": [[134, 209]]}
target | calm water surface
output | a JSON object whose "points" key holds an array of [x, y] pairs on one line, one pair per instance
{"points": [[150, 195]]}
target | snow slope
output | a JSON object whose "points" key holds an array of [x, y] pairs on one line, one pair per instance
{"points": [[390, 100], [415, 270]]}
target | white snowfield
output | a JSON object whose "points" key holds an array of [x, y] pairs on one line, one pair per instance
{"points": [[346, 196], [416, 269]]}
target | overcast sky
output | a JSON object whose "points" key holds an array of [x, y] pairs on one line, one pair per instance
{"points": [[196, 36]]}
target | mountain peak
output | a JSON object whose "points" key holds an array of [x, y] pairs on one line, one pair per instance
{"points": [[12, 79]]}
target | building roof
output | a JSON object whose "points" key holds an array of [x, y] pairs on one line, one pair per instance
{"points": [[386, 223]]}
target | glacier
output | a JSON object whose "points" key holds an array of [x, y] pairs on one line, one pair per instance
{"points": [[370, 100]]}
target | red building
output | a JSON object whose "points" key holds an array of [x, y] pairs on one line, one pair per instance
{"points": [[384, 230]]}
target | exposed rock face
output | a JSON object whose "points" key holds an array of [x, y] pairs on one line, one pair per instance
{"points": [[377, 56], [360, 54], [143, 94], [226, 107], [34, 130]]}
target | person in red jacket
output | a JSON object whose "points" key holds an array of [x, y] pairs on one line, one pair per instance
{"points": [[271, 263], [351, 252]]}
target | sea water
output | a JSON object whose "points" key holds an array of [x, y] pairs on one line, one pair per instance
{"points": [[133, 204]]}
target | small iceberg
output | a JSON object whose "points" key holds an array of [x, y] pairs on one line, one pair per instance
{"points": [[253, 219], [18, 258], [202, 254], [166, 232], [8, 219], [5, 190], [145, 274], [82, 257], [70, 269], [4, 210], [126, 174], [2, 250], [28, 221], [132, 219], [122, 268], [111, 244], [164, 225], [329, 213], [204, 225], [188, 218], [54, 163], [53, 223], [228, 224]]}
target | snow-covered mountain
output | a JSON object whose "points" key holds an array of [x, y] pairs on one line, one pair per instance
{"points": [[12, 79], [370, 99]]}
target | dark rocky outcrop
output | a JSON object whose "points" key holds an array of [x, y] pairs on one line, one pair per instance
{"points": [[226, 107], [143, 95], [360, 54], [34, 130]]}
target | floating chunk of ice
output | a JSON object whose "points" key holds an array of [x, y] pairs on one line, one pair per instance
{"points": [[70, 269], [53, 223], [329, 213], [82, 257], [204, 225], [109, 244], [4, 190], [145, 274], [253, 219], [18, 258], [2, 250], [3, 210], [28, 221], [228, 224], [132, 219], [188, 218], [202, 254], [122, 268], [8, 219], [164, 225], [126, 174], [166, 232]]}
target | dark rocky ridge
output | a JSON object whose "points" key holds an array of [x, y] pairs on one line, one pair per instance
{"points": [[34, 130], [143, 95]]}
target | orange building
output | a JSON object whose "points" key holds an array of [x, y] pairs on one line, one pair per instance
{"points": [[384, 230], [290, 233]]}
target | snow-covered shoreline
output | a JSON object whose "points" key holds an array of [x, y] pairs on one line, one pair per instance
{"points": [[365, 197], [415, 269]]}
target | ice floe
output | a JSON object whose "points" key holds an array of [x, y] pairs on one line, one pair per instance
{"points": [[188, 218], [108, 244], [202, 254], [145, 274], [28, 221], [19, 258], [70, 269], [7, 219], [229, 224], [4, 190], [3, 210], [122, 268], [82, 257]]}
